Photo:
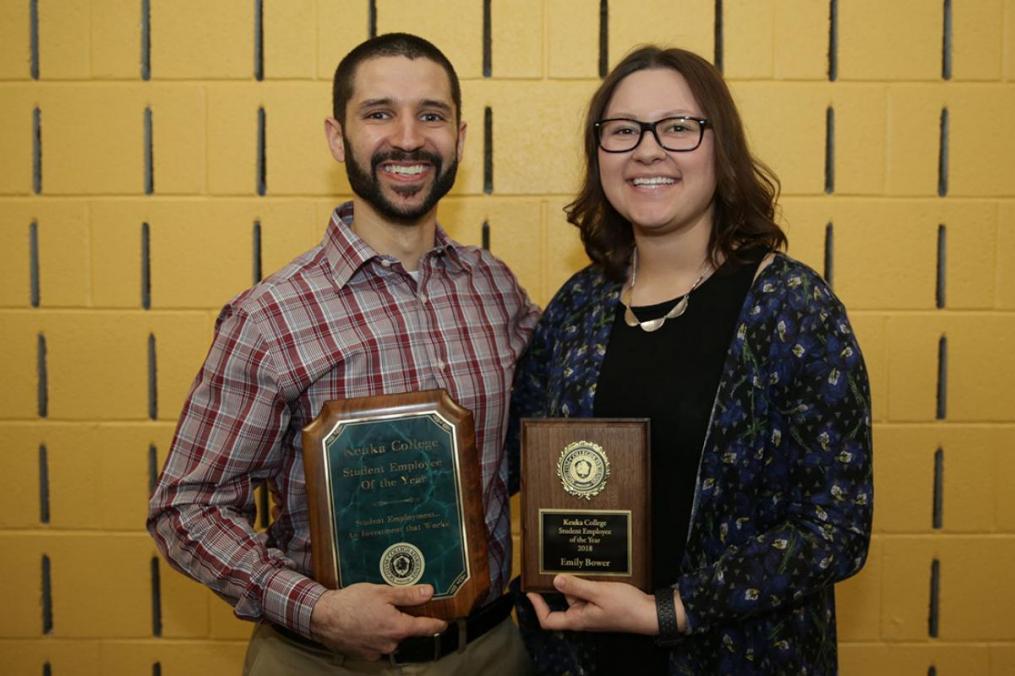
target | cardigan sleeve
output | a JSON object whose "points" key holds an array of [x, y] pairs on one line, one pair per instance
{"points": [[823, 431], [551, 652], [528, 394]]}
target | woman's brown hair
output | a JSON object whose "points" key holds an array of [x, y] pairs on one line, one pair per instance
{"points": [[745, 192]]}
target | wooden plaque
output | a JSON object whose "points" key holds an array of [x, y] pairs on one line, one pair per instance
{"points": [[395, 497], [585, 501]]}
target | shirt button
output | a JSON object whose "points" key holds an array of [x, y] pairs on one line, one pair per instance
{"points": [[422, 297], [385, 262], [441, 366]]}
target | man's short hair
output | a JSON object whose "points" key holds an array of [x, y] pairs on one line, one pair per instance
{"points": [[389, 44]]}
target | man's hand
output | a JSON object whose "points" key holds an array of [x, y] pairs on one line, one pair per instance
{"points": [[362, 621], [598, 606]]}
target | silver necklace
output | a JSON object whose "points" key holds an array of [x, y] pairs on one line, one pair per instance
{"points": [[655, 324]]}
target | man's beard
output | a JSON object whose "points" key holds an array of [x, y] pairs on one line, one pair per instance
{"points": [[368, 187]]}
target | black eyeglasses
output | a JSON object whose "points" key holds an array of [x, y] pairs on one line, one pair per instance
{"points": [[679, 134]]}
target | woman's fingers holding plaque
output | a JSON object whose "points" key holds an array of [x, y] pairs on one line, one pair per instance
{"points": [[598, 606], [572, 600]]}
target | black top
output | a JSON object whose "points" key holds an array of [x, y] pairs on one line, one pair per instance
{"points": [[670, 376]]}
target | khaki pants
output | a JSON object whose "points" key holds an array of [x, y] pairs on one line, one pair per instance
{"points": [[498, 652]]}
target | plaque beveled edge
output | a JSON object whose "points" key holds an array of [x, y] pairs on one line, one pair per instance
{"points": [[470, 475], [630, 544], [460, 501], [334, 433]]}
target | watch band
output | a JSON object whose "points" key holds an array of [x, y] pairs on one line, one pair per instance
{"points": [[666, 611]]}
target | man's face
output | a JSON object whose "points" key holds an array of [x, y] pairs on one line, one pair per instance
{"points": [[401, 141]]}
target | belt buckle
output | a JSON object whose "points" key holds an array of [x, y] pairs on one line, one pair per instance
{"points": [[394, 661], [463, 639]]}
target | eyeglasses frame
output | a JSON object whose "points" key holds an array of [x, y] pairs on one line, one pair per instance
{"points": [[650, 126]]}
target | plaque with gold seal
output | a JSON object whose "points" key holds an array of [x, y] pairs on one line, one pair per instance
{"points": [[395, 497], [585, 500]]}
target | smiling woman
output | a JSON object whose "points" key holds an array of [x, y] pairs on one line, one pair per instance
{"points": [[744, 362], [660, 192]]}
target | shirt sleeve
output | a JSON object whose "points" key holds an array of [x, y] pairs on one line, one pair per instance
{"points": [[201, 513], [825, 432]]}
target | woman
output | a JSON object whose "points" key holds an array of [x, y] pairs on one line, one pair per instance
{"points": [[745, 363]]}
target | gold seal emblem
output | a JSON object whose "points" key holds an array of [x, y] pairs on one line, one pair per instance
{"points": [[402, 564], [583, 469]]}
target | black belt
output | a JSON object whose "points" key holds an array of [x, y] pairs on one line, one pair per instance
{"points": [[431, 648]]}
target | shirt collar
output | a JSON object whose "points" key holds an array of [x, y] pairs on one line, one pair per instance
{"points": [[346, 251]]}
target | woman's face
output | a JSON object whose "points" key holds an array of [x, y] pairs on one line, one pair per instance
{"points": [[659, 191]]}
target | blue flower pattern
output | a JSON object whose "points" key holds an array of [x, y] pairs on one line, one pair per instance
{"points": [[784, 496]]}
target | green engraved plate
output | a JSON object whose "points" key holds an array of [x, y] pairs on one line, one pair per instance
{"points": [[396, 501]]}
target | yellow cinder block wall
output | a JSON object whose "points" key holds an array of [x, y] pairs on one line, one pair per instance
{"points": [[158, 155]]}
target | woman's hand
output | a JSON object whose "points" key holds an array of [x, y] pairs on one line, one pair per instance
{"points": [[599, 606]]}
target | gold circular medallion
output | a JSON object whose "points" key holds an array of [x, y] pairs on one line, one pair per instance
{"points": [[583, 469], [402, 564]]}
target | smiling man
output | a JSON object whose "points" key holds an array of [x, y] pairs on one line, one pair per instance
{"points": [[385, 304]]}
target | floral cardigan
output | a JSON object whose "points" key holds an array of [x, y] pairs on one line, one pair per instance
{"points": [[783, 501]]}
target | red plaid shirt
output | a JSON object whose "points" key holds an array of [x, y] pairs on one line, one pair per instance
{"points": [[340, 321]]}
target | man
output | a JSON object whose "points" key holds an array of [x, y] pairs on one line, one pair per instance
{"points": [[387, 303]]}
